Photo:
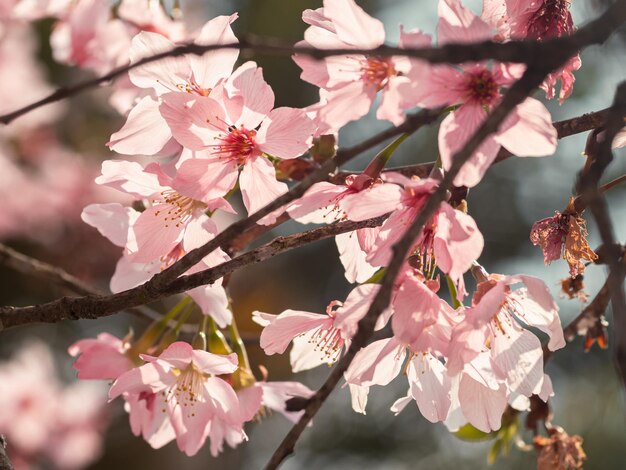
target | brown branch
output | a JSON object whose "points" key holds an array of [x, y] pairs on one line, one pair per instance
{"points": [[600, 155], [538, 53], [95, 306], [33, 267], [5, 463], [516, 94]]}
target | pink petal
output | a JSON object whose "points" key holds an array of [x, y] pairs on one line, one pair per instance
{"points": [[539, 314], [205, 179], [455, 131], [214, 363], [347, 103], [258, 98], [209, 68], [305, 354], [162, 75], [129, 177], [376, 364], [178, 354], [353, 25], [353, 258], [276, 336], [317, 204], [356, 307], [147, 378], [430, 387], [457, 244], [519, 357], [250, 401], [285, 133], [432, 86], [128, 274], [258, 184], [195, 121], [457, 24], [481, 406], [358, 395], [145, 131], [156, 233], [275, 394], [375, 201], [112, 220], [391, 108], [528, 131], [213, 301], [415, 308]]}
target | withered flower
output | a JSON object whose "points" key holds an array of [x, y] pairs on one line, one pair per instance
{"points": [[564, 235], [559, 451]]}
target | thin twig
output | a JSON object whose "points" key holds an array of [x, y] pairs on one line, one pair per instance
{"points": [[539, 53], [600, 154]]}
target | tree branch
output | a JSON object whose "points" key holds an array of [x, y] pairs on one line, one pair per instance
{"points": [[95, 306], [600, 154], [538, 53], [5, 463]]}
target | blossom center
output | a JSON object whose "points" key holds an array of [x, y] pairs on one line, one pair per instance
{"points": [[239, 144], [178, 208], [482, 88], [377, 71], [187, 390]]}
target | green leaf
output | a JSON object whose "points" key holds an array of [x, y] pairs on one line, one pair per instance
{"points": [[471, 434]]}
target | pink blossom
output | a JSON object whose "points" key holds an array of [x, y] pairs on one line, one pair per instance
{"points": [[145, 131], [493, 327], [101, 358], [317, 338], [450, 240], [349, 84], [231, 130], [422, 325], [527, 131], [186, 385], [538, 20]]}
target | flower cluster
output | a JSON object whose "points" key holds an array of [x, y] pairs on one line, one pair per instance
{"points": [[206, 128]]}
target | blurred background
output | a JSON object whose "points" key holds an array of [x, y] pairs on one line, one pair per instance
{"points": [[48, 161]]}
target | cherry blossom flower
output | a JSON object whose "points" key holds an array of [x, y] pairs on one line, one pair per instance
{"points": [[159, 236], [145, 131], [422, 325], [349, 84], [235, 129], [537, 20], [450, 240], [317, 338], [527, 131], [186, 387], [492, 333]]}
